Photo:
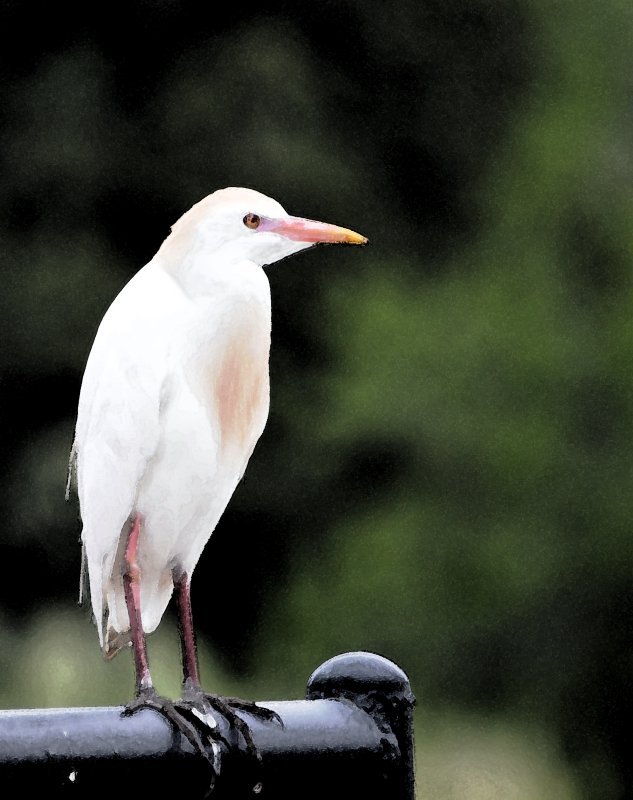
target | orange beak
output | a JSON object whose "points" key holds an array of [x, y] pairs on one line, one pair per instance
{"points": [[308, 230]]}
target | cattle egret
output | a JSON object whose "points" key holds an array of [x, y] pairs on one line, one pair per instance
{"points": [[174, 397]]}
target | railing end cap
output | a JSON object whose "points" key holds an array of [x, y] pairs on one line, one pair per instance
{"points": [[359, 672]]}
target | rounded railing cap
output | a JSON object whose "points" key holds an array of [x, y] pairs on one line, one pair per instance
{"points": [[358, 672]]}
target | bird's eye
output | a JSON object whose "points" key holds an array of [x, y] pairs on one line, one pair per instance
{"points": [[251, 221]]}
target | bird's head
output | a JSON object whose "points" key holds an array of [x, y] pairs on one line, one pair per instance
{"points": [[236, 224]]}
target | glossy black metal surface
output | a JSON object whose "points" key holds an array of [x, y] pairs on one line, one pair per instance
{"points": [[352, 737]]}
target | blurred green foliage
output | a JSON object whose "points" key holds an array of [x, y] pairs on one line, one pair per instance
{"points": [[446, 474]]}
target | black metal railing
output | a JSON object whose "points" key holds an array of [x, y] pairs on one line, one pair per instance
{"points": [[351, 738]]}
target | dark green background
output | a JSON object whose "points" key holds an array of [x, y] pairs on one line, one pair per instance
{"points": [[446, 473]]}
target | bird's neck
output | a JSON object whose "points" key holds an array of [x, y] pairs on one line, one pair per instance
{"points": [[202, 275]]}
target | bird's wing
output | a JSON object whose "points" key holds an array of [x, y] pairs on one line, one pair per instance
{"points": [[119, 417]]}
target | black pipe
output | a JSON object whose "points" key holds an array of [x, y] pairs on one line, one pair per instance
{"points": [[352, 737]]}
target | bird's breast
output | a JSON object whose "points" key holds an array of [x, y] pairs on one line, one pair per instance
{"points": [[229, 376], [241, 391]]}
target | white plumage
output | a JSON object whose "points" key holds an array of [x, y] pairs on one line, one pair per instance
{"points": [[175, 396]]}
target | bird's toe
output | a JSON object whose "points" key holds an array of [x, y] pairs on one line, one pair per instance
{"points": [[193, 726], [205, 705]]}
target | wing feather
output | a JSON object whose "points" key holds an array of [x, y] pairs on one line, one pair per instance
{"points": [[118, 422]]}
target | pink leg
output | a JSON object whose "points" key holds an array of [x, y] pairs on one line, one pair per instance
{"points": [[188, 647], [132, 587]]}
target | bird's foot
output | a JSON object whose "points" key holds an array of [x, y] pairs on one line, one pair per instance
{"points": [[203, 704], [197, 730]]}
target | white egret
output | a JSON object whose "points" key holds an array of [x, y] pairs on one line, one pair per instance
{"points": [[174, 397]]}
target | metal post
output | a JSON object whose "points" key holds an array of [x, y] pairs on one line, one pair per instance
{"points": [[383, 690]]}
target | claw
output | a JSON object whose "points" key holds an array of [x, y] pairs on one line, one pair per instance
{"points": [[195, 717], [195, 698], [255, 710], [176, 714]]}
